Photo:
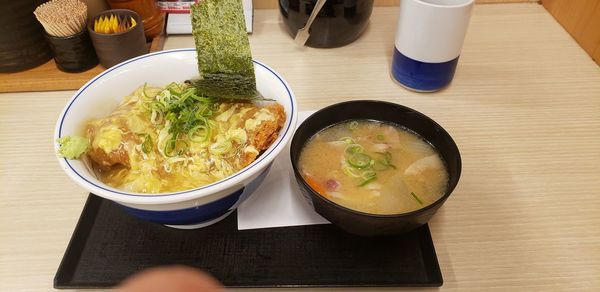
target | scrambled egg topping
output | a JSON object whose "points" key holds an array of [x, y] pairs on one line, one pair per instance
{"points": [[129, 147]]}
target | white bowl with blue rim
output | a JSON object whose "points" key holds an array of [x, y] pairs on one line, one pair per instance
{"points": [[188, 209]]}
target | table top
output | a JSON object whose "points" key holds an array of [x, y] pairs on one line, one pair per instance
{"points": [[524, 109]]}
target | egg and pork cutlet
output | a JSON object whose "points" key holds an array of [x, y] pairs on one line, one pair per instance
{"points": [[135, 148]]}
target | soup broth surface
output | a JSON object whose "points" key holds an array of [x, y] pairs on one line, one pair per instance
{"points": [[373, 167]]}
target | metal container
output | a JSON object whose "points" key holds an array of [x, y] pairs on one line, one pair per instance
{"points": [[339, 22]]}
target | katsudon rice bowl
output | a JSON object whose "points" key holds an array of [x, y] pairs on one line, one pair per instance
{"points": [[239, 141]]}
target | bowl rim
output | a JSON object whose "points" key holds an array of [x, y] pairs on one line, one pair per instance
{"points": [[235, 179], [371, 215]]}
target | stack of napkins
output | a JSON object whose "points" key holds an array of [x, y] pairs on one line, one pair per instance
{"points": [[278, 202], [181, 23]]}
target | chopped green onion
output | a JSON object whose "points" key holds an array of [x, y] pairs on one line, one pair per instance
{"points": [[350, 171], [359, 160], [144, 90], [367, 181], [416, 198], [170, 147], [347, 140], [368, 174], [147, 144], [387, 157], [354, 148], [201, 134], [186, 145], [353, 125], [380, 137], [379, 165], [187, 114]]}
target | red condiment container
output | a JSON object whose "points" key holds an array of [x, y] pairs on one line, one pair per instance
{"points": [[152, 17]]}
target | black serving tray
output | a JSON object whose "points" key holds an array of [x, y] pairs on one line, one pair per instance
{"points": [[108, 245]]}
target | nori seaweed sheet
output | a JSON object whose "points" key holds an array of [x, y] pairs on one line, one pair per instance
{"points": [[224, 57]]}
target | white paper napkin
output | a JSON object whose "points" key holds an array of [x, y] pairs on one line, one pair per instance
{"points": [[278, 202]]}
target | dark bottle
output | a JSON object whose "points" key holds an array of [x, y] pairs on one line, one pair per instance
{"points": [[339, 22]]}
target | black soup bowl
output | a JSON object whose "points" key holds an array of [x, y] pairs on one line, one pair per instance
{"points": [[361, 223]]}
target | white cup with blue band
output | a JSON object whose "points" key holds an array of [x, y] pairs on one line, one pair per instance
{"points": [[428, 42]]}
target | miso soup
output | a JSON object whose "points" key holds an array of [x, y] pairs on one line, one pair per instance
{"points": [[373, 167]]}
